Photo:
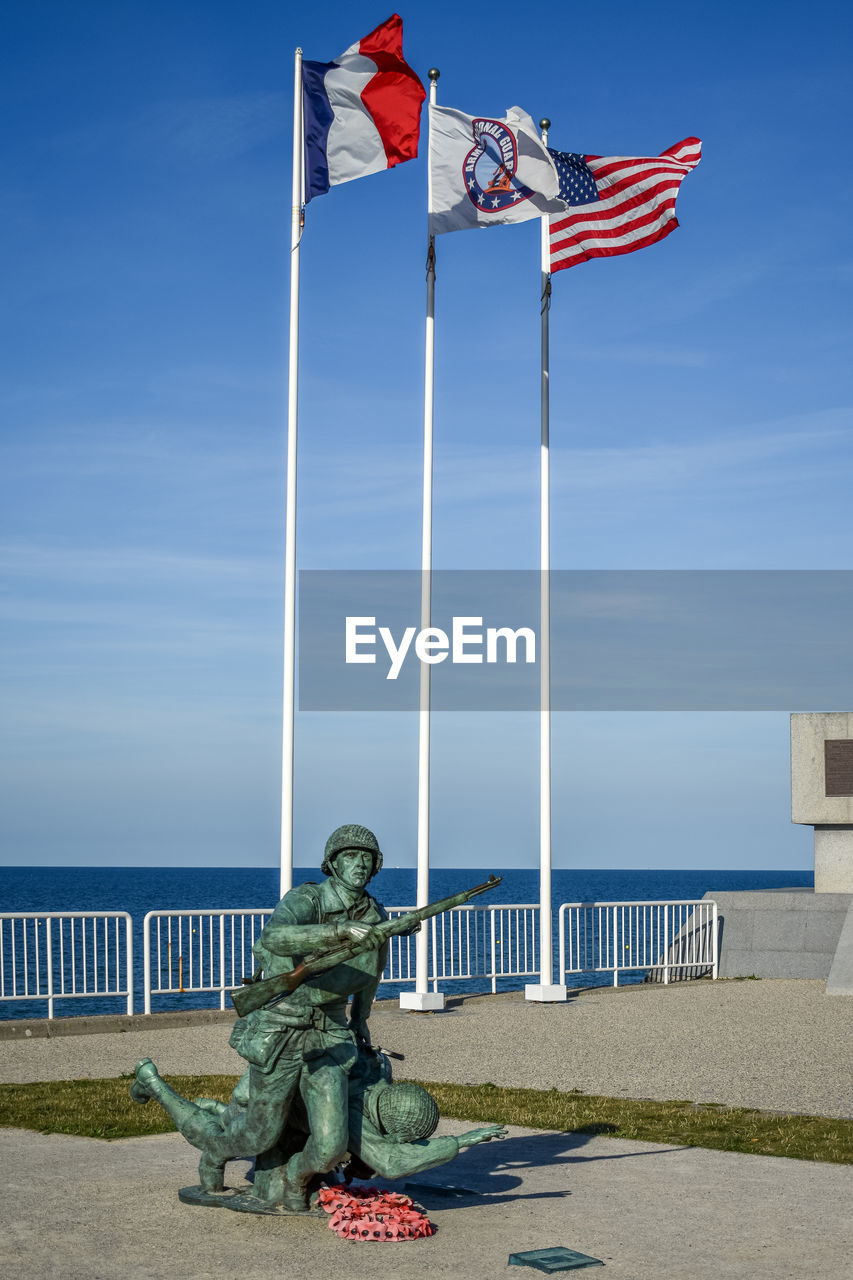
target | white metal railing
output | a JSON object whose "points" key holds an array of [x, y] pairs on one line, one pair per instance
{"points": [[614, 937], [56, 955], [194, 951], [53, 955], [187, 951], [471, 942]]}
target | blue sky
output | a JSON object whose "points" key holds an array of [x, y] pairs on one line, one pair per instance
{"points": [[701, 417]]}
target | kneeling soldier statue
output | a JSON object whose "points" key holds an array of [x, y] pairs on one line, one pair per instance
{"points": [[323, 944]]}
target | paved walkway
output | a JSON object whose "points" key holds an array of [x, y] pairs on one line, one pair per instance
{"points": [[81, 1209], [78, 1209]]}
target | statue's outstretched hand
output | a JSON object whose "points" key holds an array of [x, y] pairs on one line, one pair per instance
{"points": [[355, 931], [474, 1136]]}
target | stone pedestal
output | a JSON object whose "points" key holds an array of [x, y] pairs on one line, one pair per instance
{"points": [[544, 993], [822, 793], [833, 859], [422, 1001]]}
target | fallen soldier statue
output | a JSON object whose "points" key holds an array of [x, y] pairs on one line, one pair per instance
{"points": [[391, 1128]]}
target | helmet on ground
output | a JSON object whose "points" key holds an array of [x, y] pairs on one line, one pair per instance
{"points": [[407, 1112], [351, 836]]}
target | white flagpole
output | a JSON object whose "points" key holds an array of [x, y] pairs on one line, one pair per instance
{"points": [[287, 718], [545, 989], [422, 998]]}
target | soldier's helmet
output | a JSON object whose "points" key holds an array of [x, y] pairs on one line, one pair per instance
{"points": [[351, 836], [407, 1112]]}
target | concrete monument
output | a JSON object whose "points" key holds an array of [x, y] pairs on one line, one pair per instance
{"points": [[800, 932], [822, 793]]}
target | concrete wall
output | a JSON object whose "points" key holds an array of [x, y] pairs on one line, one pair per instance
{"points": [[840, 980], [779, 933]]}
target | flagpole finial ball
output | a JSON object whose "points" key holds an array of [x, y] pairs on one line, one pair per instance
{"points": [[544, 123], [433, 73]]}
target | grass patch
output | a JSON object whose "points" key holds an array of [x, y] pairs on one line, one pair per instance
{"points": [[99, 1108], [683, 1123], [104, 1109]]}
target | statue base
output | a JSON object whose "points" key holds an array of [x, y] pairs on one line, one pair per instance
{"points": [[209, 1199], [243, 1202]]}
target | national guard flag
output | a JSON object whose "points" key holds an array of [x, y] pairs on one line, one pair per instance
{"points": [[484, 172]]}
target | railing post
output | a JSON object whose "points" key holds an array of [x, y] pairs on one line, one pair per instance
{"points": [[714, 944], [434, 956], [222, 962], [494, 952], [36, 961], [146, 963], [616, 946], [561, 941], [128, 934], [665, 945], [49, 943]]}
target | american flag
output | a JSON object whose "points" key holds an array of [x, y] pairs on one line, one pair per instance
{"points": [[617, 203]]}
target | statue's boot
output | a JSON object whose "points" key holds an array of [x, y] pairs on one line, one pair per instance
{"points": [[196, 1124], [293, 1192], [139, 1090], [211, 1174]]}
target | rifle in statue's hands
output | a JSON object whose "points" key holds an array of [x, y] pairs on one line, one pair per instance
{"points": [[257, 992]]}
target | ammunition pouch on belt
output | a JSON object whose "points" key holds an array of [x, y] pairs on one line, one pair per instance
{"points": [[306, 1031]]}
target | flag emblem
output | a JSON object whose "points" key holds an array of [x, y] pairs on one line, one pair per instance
{"points": [[489, 168]]}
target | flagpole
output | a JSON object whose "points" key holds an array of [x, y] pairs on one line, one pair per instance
{"points": [[545, 990], [288, 701], [422, 999]]}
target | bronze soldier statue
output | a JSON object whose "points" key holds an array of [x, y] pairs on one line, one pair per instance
{"points": [[322, 945], [302, 1040]]}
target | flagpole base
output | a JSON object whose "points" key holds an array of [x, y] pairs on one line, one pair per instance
{"points": [[422, 1001], [544, 993]]}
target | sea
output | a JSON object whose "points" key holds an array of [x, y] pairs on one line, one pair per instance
{"points": [[138, 890]]}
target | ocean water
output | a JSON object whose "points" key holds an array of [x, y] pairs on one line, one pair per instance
{"points": [[141, 889]]}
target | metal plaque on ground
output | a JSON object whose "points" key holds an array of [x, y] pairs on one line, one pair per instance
{"points": [[553, 1260]]}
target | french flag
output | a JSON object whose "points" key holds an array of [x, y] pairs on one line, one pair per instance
{"points": [[362, 112]]}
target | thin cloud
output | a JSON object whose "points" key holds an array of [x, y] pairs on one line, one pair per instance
{"points": [[129, 565], [645, 354], [470, 474], [217, 128]]}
